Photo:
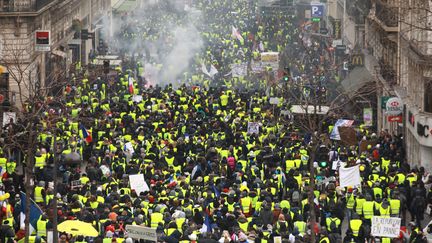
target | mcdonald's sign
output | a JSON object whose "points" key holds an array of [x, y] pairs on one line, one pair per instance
{"points": [[357, 60]]}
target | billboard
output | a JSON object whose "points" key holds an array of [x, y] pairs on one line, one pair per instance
{"points": [[43, 40]]}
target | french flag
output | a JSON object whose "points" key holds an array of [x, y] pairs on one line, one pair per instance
{"points": [[131, 85], [86, 135]]}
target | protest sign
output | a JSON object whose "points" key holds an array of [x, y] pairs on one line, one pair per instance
{"points": [[385, 227], [239, 70], [348, 135], [141, 232], [253, 128], [340, 123], [349, 176], [274, 101], [138, 183]]}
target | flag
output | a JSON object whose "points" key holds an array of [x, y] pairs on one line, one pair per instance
{"points": [[216, 191], [131, 85], [35, 212], [236, 34], [335, 135], [86, 135], [213, 71]]}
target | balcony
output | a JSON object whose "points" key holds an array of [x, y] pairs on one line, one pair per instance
{"points": [[386, 15], [22, 6]]}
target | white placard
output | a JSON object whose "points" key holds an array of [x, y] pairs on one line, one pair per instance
{"points": [[386, 227], [274, 101], [138, 183], [253, 128], [138, 232], [137, 98], [129, 147], [349, 176], [7, 116], [337, 163]]}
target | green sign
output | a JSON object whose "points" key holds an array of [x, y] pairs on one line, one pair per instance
{"points": [[316, 19], [384, 100]]}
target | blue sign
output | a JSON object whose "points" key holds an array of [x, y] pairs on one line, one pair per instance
{"points": [[317, 11]]}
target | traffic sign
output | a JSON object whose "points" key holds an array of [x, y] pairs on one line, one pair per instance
{"points": [[317, 11], [394, 119]]}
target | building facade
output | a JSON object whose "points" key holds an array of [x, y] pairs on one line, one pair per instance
{"points": [[400, 38], [28, 68]]}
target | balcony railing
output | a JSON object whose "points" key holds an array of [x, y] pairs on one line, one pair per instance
{"points": [[387, 14], [11, 6]]}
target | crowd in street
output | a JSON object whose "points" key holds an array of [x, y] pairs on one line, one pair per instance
{"points": [[209, 179]]}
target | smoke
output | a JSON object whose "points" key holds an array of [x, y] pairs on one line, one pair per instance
{"points": [[161, 35], [187, 42]]}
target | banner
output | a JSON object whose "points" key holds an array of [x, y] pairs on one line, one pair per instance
{"points": [[138, 183], [349, 176], [340, 123], [367, 117], [138, 232], [385, 227], [239, 70]]}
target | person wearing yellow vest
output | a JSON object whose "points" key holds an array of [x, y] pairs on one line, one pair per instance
{"points": [[355, 224], [224, 100], [155, 219], [323, 236], [368, 210], [395, 205], [358, 205], [39, 193], [384, 210], [333, 224], [41, 226], [245, 203]]}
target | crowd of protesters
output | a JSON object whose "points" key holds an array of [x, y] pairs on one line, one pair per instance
{"points": [[210, 180]]}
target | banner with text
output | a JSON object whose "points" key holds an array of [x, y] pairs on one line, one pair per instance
{"points": [[386, 227]]}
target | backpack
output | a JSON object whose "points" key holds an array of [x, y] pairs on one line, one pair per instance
{"points": [[335, 238], [331, 203], [333, 226]]}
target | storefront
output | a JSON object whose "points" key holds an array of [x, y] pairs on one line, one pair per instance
{"points": [[419, 137]]}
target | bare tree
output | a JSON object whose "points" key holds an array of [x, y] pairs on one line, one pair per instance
{"points": [[33, 105]]}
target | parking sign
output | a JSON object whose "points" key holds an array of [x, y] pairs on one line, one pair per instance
{"points": [[317, 11]]}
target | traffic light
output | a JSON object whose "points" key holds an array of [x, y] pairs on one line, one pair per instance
{"points": [[322, 164], [106, 66]]}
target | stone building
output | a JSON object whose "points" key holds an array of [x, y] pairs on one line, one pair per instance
{"points": [[28, 69]]}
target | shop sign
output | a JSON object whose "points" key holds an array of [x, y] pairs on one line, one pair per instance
{"points": [[394, 106]]}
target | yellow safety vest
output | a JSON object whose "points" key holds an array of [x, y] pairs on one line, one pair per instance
{"points": [[355, 225], [40, 161], [301, 226], [41, 227], [368, 209], [245, 203], [155, 219], [38, 194], [359, 205], [395, 207]]}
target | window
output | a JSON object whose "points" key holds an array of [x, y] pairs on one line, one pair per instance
{"points": [[428, 96]]}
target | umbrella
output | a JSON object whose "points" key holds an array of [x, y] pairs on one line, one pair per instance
{"points": [[76, 227]]}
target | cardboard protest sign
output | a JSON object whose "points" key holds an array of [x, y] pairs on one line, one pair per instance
{"points": [[385, 227]]}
